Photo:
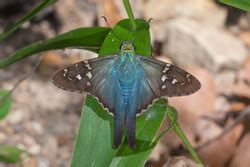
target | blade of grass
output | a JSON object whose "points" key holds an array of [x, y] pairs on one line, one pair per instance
{"points": [[87, 38], [25, 18], [5, 103], [5, 95], [241, 4]]}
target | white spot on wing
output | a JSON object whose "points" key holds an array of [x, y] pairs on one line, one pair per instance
{"points": [[89, 75], [87, 65], [188, 77], [163, 78], [174, 81], [163, 87], [168, 65], [79, 77], [165, 69], [88, 83], [65, 72]]}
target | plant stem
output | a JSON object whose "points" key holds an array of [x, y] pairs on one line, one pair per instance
{"points": [[130, 13], [188, 145], [173, 116], [171, 112]]}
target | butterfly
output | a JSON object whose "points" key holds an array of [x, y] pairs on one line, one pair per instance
{"points": [[126, 84]]}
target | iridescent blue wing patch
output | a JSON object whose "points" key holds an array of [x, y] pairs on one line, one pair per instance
{"points": [[93, 76]]}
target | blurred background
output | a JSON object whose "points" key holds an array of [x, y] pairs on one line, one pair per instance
{"points": [[208, 39]]}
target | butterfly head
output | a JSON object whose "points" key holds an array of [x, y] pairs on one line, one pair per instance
{"points": [[127, 46]]}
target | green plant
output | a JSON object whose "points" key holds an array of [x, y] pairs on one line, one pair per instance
{"points": [[5, 103], [8, 154], [241, 4], [94, 140]]}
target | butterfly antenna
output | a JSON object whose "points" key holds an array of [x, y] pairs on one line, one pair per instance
{"points": [[150, 19], [105, 19]]}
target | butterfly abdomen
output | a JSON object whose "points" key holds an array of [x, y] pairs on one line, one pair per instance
{"points": [[126, 91]]}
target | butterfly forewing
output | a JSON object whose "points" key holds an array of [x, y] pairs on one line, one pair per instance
{"points": [[93, 76], [163, 79], [73, 78]]}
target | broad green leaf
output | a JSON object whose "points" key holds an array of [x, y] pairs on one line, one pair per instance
{"points": [[241, 4], [25, 18], [95, 135], [86, 38], [10, 154], [5, 103], [122, 32]]}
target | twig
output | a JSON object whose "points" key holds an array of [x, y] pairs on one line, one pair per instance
{"points": [[227, 129], [21, 80]]}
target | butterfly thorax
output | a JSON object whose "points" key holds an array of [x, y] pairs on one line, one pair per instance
{"points": [[126, 68]]}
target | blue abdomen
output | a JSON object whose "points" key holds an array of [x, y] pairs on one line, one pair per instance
{"points": [[126, 91]]}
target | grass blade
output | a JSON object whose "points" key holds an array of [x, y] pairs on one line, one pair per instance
{"points": [[5, 103], [87, 38], [26, 17]]}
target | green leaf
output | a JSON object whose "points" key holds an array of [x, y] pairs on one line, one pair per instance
{"points": [[10, 154], [5, 103], [87, 38], [241, 4], [95, 136], [123, 32], [26, 17]]}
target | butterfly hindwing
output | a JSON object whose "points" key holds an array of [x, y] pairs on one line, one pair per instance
{"points": [[93, 76]]}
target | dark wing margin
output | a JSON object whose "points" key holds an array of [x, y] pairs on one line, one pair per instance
{"points": [[93, 76]]}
